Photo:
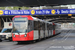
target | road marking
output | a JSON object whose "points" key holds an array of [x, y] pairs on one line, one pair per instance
{"points": [[54, 40]]}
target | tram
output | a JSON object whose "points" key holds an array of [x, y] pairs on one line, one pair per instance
{"points": [[28, 28]]}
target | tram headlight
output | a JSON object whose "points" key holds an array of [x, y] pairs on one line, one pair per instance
{"points": [[14, 35], [25, 35]]}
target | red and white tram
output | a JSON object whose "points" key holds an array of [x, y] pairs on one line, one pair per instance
{"points": [[28, 28]]}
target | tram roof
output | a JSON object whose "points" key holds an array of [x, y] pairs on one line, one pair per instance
{"points": [[32, 3], [36, 19]]}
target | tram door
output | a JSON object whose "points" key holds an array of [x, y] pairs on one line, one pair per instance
{"points": [[53, 29], [39, 28], [36, 32], [48, 29], [43, 29]]}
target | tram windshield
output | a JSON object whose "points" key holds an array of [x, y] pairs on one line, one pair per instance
{"points": [[20, 25]]}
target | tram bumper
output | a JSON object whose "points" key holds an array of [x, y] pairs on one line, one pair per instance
{"points": [[21, 39]]}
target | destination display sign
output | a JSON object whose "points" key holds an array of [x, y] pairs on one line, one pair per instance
{"points": [[20, 19]]}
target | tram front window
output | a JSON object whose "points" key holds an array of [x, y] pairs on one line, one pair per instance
{"points": [[20, 26]]}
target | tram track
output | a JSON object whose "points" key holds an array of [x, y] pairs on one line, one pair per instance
{"points": [[62, 39], [52, 40], [31, 47]]}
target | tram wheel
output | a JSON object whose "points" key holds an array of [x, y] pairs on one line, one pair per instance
{"points": [[19, 42], [34, 41]]}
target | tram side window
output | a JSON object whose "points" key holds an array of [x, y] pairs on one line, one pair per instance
{"points": [[54, 27], [43, 26], [47, 26], [51, 26], [35, 25], [40, 25], [30, 25]]}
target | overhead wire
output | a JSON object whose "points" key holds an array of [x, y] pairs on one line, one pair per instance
{"points": [[10, 2], [39, 2], [20, 1]]}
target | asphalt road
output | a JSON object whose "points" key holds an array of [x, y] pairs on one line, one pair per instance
{"points": [[63, 41]]}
